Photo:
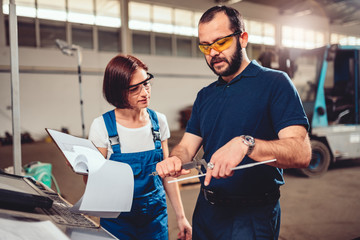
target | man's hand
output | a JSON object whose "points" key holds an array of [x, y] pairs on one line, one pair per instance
{"points": [[171, 167], [225, 158]]}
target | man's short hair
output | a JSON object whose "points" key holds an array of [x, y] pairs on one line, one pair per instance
{"points": [[235, 18]]}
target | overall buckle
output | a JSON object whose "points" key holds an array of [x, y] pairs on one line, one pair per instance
{"points": [[114, 140]]}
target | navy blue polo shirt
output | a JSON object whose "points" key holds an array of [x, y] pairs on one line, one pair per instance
{"points": [[258, 102]]}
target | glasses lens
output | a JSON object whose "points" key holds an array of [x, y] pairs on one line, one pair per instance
{"points": [[135, 90], [144, 84], [222, 44], [219, 46], [205, 48]]}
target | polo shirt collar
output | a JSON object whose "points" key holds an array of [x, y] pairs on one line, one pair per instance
{"points": [[250, 71]]}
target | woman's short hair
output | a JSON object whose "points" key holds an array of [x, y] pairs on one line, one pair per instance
{"points": [[235, 18], [117, 77]]}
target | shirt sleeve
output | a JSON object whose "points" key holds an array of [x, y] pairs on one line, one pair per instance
{"points": [[164, 127], [286, 107], [98, 133], [193, 125]]}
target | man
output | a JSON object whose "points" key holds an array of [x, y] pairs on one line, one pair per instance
{"points": [[250, 114]]}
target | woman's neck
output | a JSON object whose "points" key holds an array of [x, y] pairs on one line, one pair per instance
{"points": [[132, 118]]}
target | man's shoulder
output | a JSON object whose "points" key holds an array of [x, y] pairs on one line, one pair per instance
{"points": [[209, 87], [272, 74], [275, 72]]}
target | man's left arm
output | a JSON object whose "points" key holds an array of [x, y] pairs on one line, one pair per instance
{"points": [[291, 150]]}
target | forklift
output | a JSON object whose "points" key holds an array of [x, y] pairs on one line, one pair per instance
{"points": [[328, 82]]}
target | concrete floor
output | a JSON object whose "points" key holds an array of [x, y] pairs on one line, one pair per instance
{"points": [[318, 208]]}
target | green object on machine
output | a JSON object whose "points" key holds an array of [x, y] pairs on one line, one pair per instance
{"points": [[40, 171]]}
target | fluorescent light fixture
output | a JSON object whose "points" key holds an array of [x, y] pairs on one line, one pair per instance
{"points": [[182, 30], [26, 11], [51, 14], [81, 18], [108, 21], [162, 28], [5, 8], [139, 25]]}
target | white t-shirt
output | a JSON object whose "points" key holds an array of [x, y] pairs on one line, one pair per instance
{"points": [[131, 139]]}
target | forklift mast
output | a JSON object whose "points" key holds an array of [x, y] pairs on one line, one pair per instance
{"points": [[331, 99], [333, 104]]}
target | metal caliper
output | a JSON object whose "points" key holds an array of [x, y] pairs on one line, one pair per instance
{"points": [[195, 163]]}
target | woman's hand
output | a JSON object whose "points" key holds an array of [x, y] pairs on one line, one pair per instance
{"points": [[185, 229]]}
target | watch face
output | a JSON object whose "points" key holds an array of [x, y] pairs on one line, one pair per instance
{"points": [[249, 139]]}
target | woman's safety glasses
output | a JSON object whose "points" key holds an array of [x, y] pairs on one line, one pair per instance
{"points": [[219, 45], [136, 88]]}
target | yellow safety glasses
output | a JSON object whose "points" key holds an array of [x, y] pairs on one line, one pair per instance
{"points": [[219, 45]]}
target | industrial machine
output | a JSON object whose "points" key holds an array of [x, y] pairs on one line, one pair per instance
{"points": [[328, 82]]}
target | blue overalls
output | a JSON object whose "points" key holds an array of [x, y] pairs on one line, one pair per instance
{"points": [[148, 216]]}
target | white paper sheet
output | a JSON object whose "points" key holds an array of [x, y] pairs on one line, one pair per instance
{"points": [[110, 185], [115, 181]]}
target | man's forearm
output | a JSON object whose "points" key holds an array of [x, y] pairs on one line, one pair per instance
{"points": [[289, 152]]}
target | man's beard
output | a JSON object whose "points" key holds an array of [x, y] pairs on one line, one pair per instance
{"points": [[234, 64]]}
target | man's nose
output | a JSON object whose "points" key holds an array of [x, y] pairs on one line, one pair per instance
{"points": [[213, 52]]}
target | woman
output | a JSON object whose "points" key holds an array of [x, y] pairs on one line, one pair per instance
{"points": [[136, 135]]}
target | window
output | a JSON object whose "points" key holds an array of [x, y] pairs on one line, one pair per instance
{"points": [[81, 11], [156, 29], [24, 8], [163, 45], [108, 13], [162, 19], [139, 16], [344, 40], [260, 32], [82, 36], [147, 17], [183, 22], [49, 31], [183, 47], [268, 34], [255, 32], [52, 10], [302, 38], [197, 16], [141, 43], [108, 40], [26, 32]]}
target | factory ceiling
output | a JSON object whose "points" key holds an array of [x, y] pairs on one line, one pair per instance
{"points": [[339, 12]]}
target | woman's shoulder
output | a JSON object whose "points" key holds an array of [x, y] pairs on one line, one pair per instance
{"points": [[98, 120], [161, 118], [160, 115]]}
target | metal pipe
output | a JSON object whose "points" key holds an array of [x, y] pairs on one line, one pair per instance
{"points": [[15, 87]]}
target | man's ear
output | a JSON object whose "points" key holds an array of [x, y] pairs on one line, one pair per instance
{"points": [[243, 39]]}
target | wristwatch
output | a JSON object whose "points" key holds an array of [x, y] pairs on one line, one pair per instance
{"points": [[248, 141]]}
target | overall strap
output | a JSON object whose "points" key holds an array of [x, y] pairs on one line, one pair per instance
{"points": [[155, 128], [110, 123]]}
